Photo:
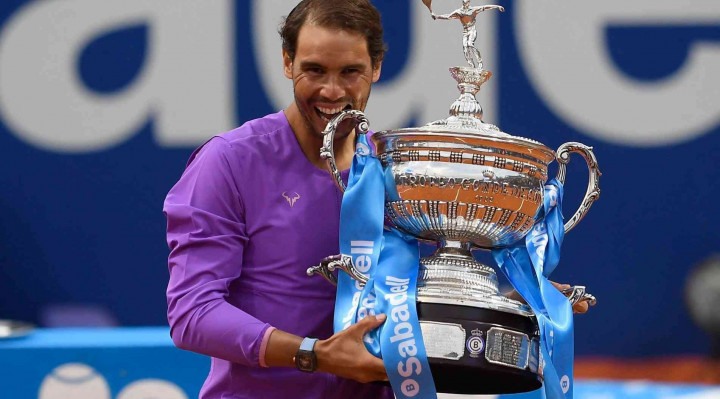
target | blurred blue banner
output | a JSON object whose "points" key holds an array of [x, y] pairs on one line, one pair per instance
{"points": [[101, 104], [104, 363], [132, 363]]}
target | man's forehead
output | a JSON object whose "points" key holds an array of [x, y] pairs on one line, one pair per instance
{"points": [[315, 40], [310, 30]]}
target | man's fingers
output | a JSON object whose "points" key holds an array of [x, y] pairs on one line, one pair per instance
{"points": [[581, 307], [369, 323]]}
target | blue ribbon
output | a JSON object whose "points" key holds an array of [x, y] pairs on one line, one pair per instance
{"points": [[360, 238], [391, 260], [527, 265]]}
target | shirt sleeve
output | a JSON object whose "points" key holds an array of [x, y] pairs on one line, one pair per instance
{"points": [[207, 236]]}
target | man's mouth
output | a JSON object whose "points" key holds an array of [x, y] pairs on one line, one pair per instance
{"points": [[328, 113]]}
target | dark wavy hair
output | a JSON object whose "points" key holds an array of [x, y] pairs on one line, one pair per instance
{"points": [[359, 16]]}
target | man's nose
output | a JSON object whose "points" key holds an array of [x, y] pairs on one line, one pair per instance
{"points": [[332, 88]]}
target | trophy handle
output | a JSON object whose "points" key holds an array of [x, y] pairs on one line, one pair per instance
{"points": [[323, 270], [327, 153], [578, 294], [343, 262], [593, 189]]}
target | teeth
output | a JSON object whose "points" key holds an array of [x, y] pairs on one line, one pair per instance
{"points": [[329, 111]]}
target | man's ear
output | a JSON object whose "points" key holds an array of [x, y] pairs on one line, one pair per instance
{"points": [[376, 72], [287, 64]]}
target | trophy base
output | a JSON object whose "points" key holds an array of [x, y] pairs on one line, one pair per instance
{"points": [[480, 351]]}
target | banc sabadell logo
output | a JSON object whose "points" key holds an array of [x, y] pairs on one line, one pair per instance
{"points": [[185, 85], [80, 381]]}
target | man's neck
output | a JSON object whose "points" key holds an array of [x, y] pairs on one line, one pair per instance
{"points": [[310, 142]]}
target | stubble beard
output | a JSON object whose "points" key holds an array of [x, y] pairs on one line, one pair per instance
{"points": [[307, 119]]}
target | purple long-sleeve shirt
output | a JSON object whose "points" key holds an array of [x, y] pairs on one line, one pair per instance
{"points": [[245, 220]]}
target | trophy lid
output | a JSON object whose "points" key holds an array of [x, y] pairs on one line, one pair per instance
{"points": [[465, 127], [487, 136], [465, 121], [484, 130]]}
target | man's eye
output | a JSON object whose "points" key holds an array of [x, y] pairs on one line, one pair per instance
{"points": [[313, 70], [351, 71]]}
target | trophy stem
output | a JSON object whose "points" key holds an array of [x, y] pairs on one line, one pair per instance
{"points": [[453, 271], [454, 248], [451, 276]]}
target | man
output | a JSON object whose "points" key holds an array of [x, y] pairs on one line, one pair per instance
{"points": [[255, 207]]}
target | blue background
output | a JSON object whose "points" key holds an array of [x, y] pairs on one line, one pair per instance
{"points": [[88, 228]]}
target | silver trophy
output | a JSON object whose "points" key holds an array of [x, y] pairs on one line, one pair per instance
{"points": [[466, 185]]}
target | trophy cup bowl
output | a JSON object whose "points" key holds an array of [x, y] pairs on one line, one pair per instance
{"points": [[465, 188]]}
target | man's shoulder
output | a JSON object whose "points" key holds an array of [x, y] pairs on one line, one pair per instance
{"points": [[257, 130], [241, 143]]}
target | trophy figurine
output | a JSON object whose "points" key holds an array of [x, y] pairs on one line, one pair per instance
{"points": [[466, 185], [466, 15]]}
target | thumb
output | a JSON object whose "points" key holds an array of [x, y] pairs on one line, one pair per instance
{"points": [[369, 323]]}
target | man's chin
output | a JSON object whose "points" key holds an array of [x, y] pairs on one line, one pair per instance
{"points": [[320, 127]]}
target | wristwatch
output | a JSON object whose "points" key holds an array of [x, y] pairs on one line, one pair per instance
{"points": [[305, 359]]}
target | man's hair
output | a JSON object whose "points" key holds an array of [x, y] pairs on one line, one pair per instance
{"points": [[349, 15]]}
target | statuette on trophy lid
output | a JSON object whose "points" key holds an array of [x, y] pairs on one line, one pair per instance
{"points": [[467, 15], [466, 112], [467, 185]]}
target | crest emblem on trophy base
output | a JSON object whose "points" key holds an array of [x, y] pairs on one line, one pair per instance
{"points": [[465, 185]]}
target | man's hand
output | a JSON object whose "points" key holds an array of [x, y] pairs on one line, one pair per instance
{"points": [[579, 308], [344, 354]]}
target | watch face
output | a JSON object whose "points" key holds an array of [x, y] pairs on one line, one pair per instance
{"points": [[305, 358], [305, 363]]}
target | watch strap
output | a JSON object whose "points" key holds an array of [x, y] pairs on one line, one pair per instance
{"points": [[308, 344]]}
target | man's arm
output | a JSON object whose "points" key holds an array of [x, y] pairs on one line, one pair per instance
{"points": [[206, 235]]}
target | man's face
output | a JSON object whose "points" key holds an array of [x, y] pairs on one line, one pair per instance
{"points": [[332, 71]]}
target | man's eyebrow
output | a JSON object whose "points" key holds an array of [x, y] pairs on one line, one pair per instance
{"points": [[313, 64], [355, 66], [310, 64]]}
